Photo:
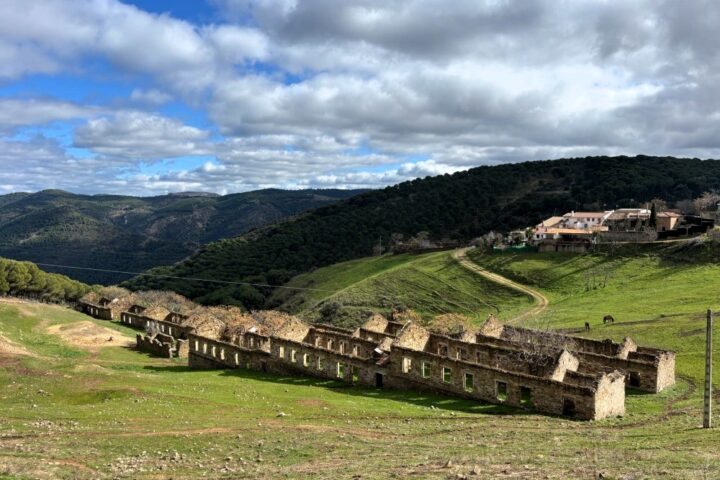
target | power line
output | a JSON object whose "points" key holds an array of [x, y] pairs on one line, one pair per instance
{"points": [[141, 274]]}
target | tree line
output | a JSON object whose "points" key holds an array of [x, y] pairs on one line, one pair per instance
{"points": [[25, 279]]}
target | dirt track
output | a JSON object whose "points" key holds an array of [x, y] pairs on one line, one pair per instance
{"points": [[86, 334], [541, 301]]}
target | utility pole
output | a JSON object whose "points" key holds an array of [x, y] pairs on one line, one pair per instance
{"points": [[707, 407]]}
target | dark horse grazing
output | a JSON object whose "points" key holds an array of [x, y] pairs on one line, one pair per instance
{"points": [[587, 326], [608, 319]]}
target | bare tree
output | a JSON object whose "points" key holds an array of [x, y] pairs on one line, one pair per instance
{"points": [[540, 343], [707, 202]]}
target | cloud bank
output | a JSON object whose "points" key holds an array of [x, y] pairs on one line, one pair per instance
{"points": [[361, 93]]}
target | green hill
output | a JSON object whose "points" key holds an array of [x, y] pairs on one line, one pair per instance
{"points": [[136, 233], [70, 410], [657, 294], [459, 206], [431, 284]]}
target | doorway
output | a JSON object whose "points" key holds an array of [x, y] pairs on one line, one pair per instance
{"points": [[379, 380]]}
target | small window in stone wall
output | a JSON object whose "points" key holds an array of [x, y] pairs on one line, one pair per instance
{"points": [[204, 347], [222, 354], [281, 352], [526, 397], [355, 351], [340, 370], [306, 360], [501, 391], [342, 347], [469, 382], [406, 364], [214, 351], [320, 363], [355, 374], [634, 379], [237, 359], [293, 356], [197, 345], [425, 369], [330, 345], [461, 353], [447, 374], [442, 350]]}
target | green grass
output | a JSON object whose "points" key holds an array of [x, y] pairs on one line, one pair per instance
{"points": [[431, 284], [73, 413]]}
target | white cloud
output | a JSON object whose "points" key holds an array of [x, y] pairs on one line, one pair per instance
{"points": [[27, 112], [321, 92], [151, 96]]}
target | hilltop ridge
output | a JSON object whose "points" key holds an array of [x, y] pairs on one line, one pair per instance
{"points": [[135, 233], [459, 207]]}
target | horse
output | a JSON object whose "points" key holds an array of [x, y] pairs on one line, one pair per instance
{"points": [[608, 319], [587, 326]]}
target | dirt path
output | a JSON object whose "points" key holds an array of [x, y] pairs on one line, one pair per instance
{"points": [[541, 301]]}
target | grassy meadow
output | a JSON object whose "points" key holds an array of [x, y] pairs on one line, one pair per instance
{"points": [[431, 284], [71, 411]]}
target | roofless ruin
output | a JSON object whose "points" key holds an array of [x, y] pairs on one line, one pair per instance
{"points": [[542, 371]]}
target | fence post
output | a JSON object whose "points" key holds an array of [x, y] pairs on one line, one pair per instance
{"points": [[707, 407]]}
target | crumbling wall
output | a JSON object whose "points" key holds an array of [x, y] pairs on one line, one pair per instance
{"points": [[413, 336], [610, 396], [447, 375], [96, 311], [628, 345], [642, 375], [341, 342], [665, 371], [154, 346], [135, 320]]}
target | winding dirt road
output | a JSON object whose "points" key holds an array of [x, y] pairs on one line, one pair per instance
{"points": [[541, 301]]}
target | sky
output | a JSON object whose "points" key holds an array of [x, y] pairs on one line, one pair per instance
{"points": [[151, 97]]}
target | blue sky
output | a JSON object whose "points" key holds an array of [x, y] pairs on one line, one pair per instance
{"points": [[149, 97]]}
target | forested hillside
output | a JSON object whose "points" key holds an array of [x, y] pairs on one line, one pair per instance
{"points": [[136, 233], [459, 206], [25, 279]]}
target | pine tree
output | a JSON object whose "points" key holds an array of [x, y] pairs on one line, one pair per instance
{"points": [[653, 216]]}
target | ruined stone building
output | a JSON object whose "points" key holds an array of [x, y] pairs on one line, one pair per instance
{"points": [[102, 306], [166, 333], [545, 372]]}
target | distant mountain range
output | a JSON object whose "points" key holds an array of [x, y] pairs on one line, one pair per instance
{"points": [[136, 233], [458, 207]]}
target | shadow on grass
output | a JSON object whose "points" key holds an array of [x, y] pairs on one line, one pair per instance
{"points": [[429, 400]]}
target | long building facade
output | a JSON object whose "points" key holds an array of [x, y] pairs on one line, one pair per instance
{"points": [[545, 372]]}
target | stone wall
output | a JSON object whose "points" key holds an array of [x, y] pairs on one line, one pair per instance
{"points": [[340, 342], [154, 346], [410, 369], [610, 396], [96, 311], [135, 320], [507, 356], [648, 369], [643, 375]]}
